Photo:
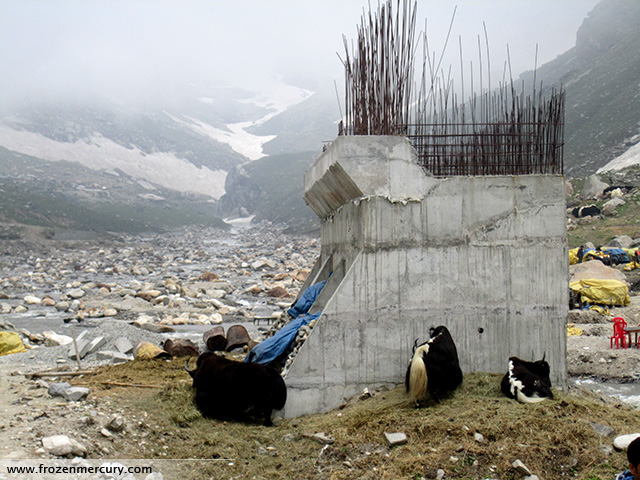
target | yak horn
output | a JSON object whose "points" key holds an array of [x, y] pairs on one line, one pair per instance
{"points": [[186, 366]]}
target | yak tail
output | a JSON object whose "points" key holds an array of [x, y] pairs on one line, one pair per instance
{"points": [[418, 375]]}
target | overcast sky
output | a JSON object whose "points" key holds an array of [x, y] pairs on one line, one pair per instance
{"points": [[135, 49]]}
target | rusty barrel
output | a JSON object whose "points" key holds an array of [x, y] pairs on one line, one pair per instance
{"points": [[237, 336], [181, 348], [214, 339]]}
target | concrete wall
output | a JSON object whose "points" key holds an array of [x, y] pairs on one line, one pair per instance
{"points": [[485, 256]]}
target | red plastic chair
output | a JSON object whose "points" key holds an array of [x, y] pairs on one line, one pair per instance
{"points": [[619, 335]]}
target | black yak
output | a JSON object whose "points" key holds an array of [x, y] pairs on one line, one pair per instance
{"points": [[434, 367], [586, 211], [527, 382], [229, 389]]}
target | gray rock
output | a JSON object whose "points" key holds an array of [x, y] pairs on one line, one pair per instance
{"points": [[621, 241], [63, 306], [95, 344], [395, 439], [115, 423], [75, 394], [113, 356], [593, 187], [57, 389], [123, 345], [623, 441], [323, 438], [531, 477], [81, 341], [76, 293], [602, 430], [609, 208]]}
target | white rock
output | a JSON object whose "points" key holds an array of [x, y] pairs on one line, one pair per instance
{"points": [[32, 300], [623, 441], [52, 339], [61, 446], [521, 467], [395, 439], [76, 293]]}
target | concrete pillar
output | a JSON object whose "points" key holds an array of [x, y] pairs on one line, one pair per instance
{"points": [[485, 256]]}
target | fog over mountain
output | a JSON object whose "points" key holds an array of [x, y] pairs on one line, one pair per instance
{"points": [[202, 98], [142, 53]]}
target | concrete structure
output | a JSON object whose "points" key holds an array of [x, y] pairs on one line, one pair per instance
{"points": [[404, 251]]}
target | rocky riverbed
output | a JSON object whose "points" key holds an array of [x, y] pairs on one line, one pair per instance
{"points": [[118, 292]]}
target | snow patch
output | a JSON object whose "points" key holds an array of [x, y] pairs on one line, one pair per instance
{"points": [[627, 159], [100, 153], [236, 137], [277, 98]]}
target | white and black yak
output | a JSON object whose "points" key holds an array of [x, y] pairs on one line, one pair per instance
{"points": [[229, 389], [434, 367], [527, 382]]}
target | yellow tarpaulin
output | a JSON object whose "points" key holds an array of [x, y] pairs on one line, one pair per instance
{"points": [[573, 330], [10, 342], [147, 350], [573, 256], [602, 292]]}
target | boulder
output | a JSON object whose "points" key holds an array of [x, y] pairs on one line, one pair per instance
{"points": [[57, 389], [208, 277], [595, 269], [63, 446], [609, 208], [75, 394], [593, 187], [623, 441], [32, 300], [52, 339], [621, 241]]}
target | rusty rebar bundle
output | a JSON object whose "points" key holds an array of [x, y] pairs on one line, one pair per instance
{"points": [[499, 132], [379, 73]]}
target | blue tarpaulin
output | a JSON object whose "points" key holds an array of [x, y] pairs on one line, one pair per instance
{"points": [[306, 300], [271, 348]]}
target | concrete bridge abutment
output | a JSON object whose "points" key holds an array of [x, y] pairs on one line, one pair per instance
{"points": [[402, 251]]}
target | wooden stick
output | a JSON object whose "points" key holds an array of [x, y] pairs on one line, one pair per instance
{"points": [[59, 374], [75, 346], [137, 385]]}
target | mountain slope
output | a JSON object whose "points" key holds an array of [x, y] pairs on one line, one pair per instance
{"points": [[65, 196], [271, 189], [601, 76]]}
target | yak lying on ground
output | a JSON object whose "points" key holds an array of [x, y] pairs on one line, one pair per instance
{"points": [[586, 211], [434, 367], [527, 382], [229, 389]]}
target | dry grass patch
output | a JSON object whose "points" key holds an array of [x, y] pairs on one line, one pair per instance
{"points": [[555, 439]]}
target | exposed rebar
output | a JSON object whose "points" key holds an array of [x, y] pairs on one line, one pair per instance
{"points": [[500, 132]]}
